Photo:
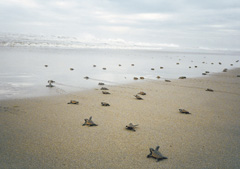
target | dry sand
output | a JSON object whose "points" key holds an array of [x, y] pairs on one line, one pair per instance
{"points": [[47, 132]]}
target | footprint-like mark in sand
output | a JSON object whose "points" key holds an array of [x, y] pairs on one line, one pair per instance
{"points": [[12, 110]]}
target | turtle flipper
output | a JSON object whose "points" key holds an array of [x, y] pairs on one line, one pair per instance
{"points": [[157, 148], [150, 155], [90, 118], [160, 159]]}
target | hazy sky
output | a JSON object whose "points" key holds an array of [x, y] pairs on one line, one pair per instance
{"points": [[187, 23]]}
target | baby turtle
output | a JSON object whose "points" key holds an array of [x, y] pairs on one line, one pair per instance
{"points": [[182, 77], [100, 83], [142, 93], [231, 64], [86, 77], [71, 69], [195, 66], [152, 69], [161, 67], [104, 88], [209, 90], [141, 78], [189, 67], [119, 65], [207, 72], [131, 126], [156, 154], [177, 63], [167, 81], [224, 70], [46, 65], [94, 65], [132, 64], [104, 92], [73, 102], [219, 63], [104, 68], [138, 97], [105, 104], [50, 83], [238, 75], [158, 77], [237, 60], [135, 78], [89, 122], [183, 111], [204, 73]]}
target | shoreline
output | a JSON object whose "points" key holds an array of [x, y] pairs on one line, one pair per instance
{"points": [[46, 132]]}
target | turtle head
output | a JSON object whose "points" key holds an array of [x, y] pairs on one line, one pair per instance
{"points": [[151, 149]]}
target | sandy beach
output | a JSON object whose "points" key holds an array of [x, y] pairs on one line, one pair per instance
{"points": [[46, 132]]}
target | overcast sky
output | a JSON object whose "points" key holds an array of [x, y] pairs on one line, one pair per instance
{"points": [[187, 23]]}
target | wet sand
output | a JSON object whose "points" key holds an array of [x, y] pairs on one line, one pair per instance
{"points": [[46, 132]]}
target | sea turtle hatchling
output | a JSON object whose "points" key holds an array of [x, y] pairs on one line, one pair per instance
{"points": [[209, 90], [130, 126], [50, 83], [138, 97], [104, 92], [167, 81], [104, 88], [105, 104], [142, 93], [182, 77], [73, 102], [89, 122], [100, 83], [135, 78], [183, 111], [156, 154]]}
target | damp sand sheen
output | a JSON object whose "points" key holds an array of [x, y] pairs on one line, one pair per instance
{"points": [[46, 132]]}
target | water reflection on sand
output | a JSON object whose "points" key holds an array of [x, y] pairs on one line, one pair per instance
{"points": [[24, 72]]}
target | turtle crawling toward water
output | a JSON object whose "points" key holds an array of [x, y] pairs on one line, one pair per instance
{"points": [[73, 102], [135, 78], [104, 92], [182, 77], [138, 97], [225, 70], [142, 93], [105, 104], [131, 126], [209, 90], [167, 80], [86, 77], [89, 122], [156, 154], [104, 88], [50, 83], [183, 111], [100, 83]]}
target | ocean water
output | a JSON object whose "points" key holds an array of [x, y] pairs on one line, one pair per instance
{"points": [[23, 72]]}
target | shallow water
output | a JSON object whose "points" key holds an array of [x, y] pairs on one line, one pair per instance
{"points": [[23, 74]]}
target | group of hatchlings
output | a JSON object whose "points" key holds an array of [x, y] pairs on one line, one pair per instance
{"points": [[154, 153]]}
